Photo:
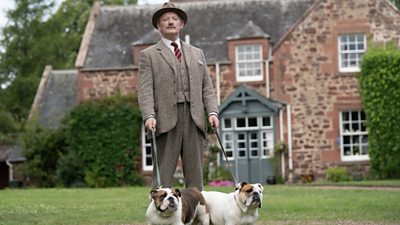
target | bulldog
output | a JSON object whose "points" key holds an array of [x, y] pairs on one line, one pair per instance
{"points": [[239, 207], [174, 207]]}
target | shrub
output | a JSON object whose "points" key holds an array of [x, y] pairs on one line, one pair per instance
{"points": [[380, 95], [42, 149], [337, 174], [104, 136]]}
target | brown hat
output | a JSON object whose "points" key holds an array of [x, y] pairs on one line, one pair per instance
{"points": [[168, 7]]}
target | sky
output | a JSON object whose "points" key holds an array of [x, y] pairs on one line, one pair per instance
{"points": [[9, 4]]}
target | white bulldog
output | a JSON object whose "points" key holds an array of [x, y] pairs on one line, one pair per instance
{"points": [[173, 207], [239, 207]]}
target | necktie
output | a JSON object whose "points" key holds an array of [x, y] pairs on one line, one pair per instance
{"points": [[177, 52]]}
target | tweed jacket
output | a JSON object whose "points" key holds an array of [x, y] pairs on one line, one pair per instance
{"points": [[157, 86]]}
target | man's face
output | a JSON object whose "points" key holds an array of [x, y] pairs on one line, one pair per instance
{"points": [[170, 24]]}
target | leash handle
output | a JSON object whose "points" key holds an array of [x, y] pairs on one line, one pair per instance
{"points": [[154, 146], [226, 157]]}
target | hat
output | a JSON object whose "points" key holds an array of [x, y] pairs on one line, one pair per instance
{"points": [[168, 7]]}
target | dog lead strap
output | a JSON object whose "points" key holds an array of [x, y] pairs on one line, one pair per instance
{"points": [[226, 157], [154, 145]]}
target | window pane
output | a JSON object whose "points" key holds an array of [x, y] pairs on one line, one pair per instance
{"points": [[253, 122], [266, 121], [240, 122], [227, 123]]}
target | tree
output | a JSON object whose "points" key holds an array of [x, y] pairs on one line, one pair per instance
{"points": [[396, 3], [30, 43]]}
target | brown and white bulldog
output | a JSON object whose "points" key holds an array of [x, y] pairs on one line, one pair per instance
{"points": [[239, 207], [174, 207]]}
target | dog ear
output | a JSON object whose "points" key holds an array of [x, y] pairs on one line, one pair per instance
{"points": [[240, 185], [178, 192], [260, 186], [153, 193]]}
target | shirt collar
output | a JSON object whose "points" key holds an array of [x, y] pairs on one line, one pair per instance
{"points": [[168, 43]]}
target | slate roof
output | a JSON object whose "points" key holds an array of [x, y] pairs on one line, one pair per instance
{"points": [[58, 98], [210, 24]]}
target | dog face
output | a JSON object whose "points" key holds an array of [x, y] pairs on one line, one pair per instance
{"points": [[166, 200], [250, 195]]}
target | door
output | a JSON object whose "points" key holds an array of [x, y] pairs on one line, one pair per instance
{"points": [[249, 158]]}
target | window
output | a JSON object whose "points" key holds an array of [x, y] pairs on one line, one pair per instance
{"points": [[249, 63], [146, 152], [351, 49], [267, 143], [228, 145], [353, 136], [248, 137]]}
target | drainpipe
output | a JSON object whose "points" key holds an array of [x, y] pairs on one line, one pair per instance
{"points": [[187, 39], [218, 82], [281, 139], [289, 122], [10, 170], [267, 89]]}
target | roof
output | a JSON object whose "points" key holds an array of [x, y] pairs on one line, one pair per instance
{"points": [[246, 100], [56, 95], [210, 24]]}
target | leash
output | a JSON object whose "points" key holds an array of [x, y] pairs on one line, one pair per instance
{"points": [[226, 157], [154, 145]]}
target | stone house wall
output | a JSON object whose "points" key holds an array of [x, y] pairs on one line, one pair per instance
{"points": [[306, 76]]}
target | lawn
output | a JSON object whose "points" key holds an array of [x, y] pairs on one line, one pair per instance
{"points": [[281, 205]]}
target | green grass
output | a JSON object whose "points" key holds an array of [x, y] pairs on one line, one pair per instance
{"points": [[363, 183], [128, 205]]}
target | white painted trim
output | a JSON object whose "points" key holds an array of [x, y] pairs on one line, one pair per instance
{"points": [[289, 121]]}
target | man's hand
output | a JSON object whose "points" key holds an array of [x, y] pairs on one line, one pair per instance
{"points": [[214, 121], [150, 124]]}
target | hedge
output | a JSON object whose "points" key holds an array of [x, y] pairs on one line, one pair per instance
{"points": [[380, 94]]}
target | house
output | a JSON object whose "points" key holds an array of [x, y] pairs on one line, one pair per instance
{"points": [[283, 71], [55, 97]]}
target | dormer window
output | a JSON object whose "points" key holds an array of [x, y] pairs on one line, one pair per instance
{"points": [[351, 48], [249, 62]]}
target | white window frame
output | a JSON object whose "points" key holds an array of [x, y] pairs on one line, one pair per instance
{"points": [[270, 141], [232, 142], [260, 128], [356, 53], [351, 133], [256, 64], [145, 144]]}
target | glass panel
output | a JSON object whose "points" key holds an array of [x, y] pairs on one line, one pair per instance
{"points": [[254, 153], [364, 149], [242, 154], [346, 139], [355, 127], [227, 123], [240, 122], [253, 122], [347, 150], [266, 121], [354, 115]]}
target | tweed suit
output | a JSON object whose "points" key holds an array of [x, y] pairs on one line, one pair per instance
{"points": [[157, 94]]}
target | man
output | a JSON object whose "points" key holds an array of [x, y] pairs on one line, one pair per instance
{"points": [[175, 92]]}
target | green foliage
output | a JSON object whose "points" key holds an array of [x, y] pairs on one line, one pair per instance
{"points": [[380, 94], [31, 42], [104, 135], [396, 3], [337, 174], [42, 149]]}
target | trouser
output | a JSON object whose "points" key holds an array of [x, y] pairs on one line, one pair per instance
{"points": [[185, 140]]}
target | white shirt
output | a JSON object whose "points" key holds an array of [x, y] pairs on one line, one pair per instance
{"points": [[168, 44]]}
